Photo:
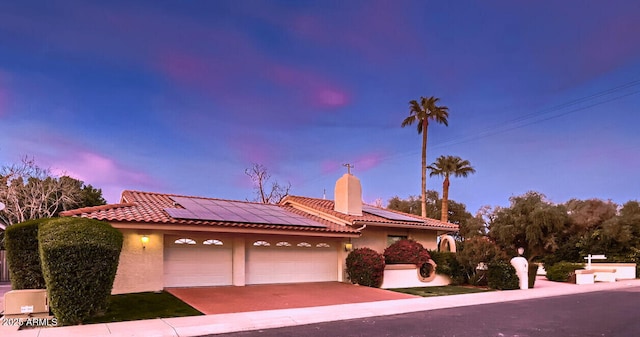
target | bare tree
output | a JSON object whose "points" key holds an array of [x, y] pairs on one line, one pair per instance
{"points": [[265, 193], [31, 192]]}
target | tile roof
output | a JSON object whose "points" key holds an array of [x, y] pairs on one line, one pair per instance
{"points": [[146, 207], [327, 207]]}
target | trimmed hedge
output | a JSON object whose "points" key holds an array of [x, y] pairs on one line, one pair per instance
{"points": [[406, 251], [563, 271], [23, 258], [501, 275], [79, 262], [533, 272], [365, 267]]}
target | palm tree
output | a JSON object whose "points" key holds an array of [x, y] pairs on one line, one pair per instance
{"points": [[421, 113], [445, 167]]}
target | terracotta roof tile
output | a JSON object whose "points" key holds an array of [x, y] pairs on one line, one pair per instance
{"points": [[327, 207], [146, 207]]}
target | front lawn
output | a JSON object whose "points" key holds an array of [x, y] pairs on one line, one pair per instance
{"points": [[131, 307], [440, 291]]}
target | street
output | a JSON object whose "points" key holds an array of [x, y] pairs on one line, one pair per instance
{"points": [[605, 313]]}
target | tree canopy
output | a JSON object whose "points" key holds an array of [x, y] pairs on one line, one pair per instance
{"points": [[447, 166], [457, 212], [31, 192], [421, 113]]}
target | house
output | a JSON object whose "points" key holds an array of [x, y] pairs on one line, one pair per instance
{"points": [[182, 241]]}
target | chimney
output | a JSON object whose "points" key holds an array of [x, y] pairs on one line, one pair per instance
{"points": [[348, 195]]}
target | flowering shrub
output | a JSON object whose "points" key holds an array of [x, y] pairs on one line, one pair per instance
{"points": [[406, 251], [365, 267]]}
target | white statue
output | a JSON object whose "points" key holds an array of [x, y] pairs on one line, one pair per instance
{"points": [[522, 268]]}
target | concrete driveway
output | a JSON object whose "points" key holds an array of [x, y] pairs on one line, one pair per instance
{"points": [[221, 300]]}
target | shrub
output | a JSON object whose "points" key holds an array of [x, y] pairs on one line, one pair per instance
{"points": [[533, 272], [501, 275], [23, 259], [406, 251], [563, 271], [79, 262], [448, 265], [473, 252], [365, 267]]}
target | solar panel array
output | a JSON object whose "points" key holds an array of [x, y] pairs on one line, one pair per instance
{"points": [[388, 214], [236, 211]]}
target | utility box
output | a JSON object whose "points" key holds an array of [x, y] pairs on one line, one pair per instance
{"points": [[26, 302]]}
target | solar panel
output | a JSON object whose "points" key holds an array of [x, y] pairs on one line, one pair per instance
{"points": [[388, 214], [236, 211]]}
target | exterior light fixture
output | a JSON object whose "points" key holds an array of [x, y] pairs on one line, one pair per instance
{"points": [[348, 247], [144, 239]]}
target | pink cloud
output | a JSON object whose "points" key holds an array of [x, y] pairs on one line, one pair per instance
{"points": [[312, 87], [253, 148], [368, 161], [376, 30], [4, 95], [4, 102], [102, 172], [361, 163], [72, 157], [330, 166]]}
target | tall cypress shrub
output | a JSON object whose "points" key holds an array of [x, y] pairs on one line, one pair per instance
{"points": [[79, 262], [23, 257]]}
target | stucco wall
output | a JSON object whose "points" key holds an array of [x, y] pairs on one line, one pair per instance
{"points": [[373, 238], [376, 238], [428, 239], [140, 269]]}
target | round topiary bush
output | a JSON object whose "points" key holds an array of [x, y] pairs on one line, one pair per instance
{"points": [[501, 275], [23, 258], [365, 267], [407, 251], [79, 262]]}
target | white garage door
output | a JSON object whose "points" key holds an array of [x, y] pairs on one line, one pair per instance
{"points": [[189, 262], [291, 261]]}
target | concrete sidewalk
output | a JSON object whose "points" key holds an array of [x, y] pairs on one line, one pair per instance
{"points": [[224, 323]]}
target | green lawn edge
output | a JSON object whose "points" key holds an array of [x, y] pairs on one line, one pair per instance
{"points": [[440, 290], [147, 305]]}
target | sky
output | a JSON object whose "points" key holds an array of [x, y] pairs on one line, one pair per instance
{"points": [[182, 96]]}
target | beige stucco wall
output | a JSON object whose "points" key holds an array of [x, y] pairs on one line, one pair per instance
{"points": [[140, 269], [376, 238], [428, 239]]}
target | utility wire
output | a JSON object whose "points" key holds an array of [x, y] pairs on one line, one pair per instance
{"points": [[553, 112]]}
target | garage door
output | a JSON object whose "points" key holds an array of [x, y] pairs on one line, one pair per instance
{"points": [[289, 261], [197, 262]]}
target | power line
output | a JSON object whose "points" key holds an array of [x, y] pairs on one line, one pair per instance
{"points": [[552, 112]]}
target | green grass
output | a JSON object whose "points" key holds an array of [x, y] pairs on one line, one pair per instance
{"points": [[131, 307], [440, 291]]}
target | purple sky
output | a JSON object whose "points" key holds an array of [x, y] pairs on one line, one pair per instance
{"points": [[182, 96]]}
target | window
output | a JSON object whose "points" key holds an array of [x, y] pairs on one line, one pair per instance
{"points": [[283, 244], [322, 245], [391, 239], [261, 244], [185, 241], [213, 242], [304, 244]]}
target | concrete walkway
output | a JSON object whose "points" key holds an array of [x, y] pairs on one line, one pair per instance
{"points": [[224, 323]]}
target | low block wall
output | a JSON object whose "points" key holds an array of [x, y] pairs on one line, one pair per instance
{"points": [[407, 276], [624, 271]]}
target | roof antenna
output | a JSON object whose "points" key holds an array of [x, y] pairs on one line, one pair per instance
{"points": [[324, 193], [349, 167]]}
